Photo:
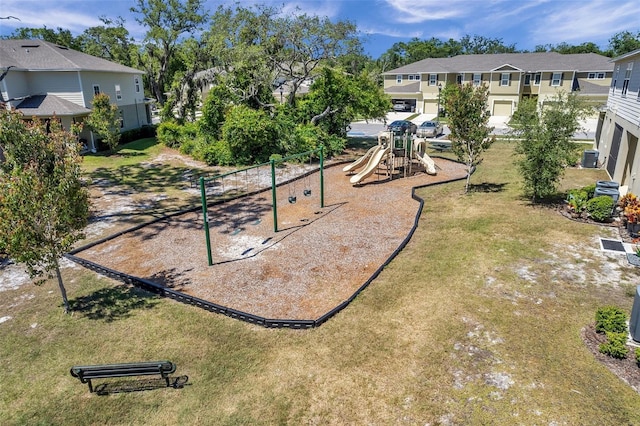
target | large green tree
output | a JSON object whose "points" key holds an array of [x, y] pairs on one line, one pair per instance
{"points": [[59, 36], [623, 42], [544, 138], [335, 99], [166, 22], [110, 41], [468, 115], [43, 204]]}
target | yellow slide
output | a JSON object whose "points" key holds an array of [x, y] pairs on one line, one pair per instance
{"points": [[362, 160], [373, 163], [423, 158], [427, 162]]}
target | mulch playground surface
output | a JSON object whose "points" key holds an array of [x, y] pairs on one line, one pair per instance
{"points": [[318, 258]]}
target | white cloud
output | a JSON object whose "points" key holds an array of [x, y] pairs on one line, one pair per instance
{"points": [[587, 21], [419, 11], [322, 9]]}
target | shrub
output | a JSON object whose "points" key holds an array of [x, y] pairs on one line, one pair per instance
{"points": [[213, 111], [611, 319], [169, 134], [216, 153], [615, 346], [189, 147], [130, 135], [637, 354], [148, 131], [335, 145], [251, 135], [577, 199], [590, 190], [600, 208]]}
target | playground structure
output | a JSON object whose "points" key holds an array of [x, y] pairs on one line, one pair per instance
{"points": [[273, 164], [299, 276], [394, 152]]}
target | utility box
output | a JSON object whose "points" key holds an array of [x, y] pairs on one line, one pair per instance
{"points": [[634, 322], [590, 159]]}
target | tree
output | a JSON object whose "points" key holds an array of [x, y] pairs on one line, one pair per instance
{"points": [[110, 41], [482, 45], [335, 99], [302, 42], [623, 42], [59, 36], [104, 120], [468, 115], [43, 204], [167, 21], [545, 144]]}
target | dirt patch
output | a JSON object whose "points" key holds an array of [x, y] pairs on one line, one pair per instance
{"points": [[316, 260]]}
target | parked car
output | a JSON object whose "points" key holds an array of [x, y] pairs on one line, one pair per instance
{"points": [[429, 129], [403, 107], [402, 126]]}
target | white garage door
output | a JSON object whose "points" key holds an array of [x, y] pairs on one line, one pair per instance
{"points": [[502, 108], [430, 107]]}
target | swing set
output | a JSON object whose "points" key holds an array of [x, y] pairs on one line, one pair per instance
{"points": [[274, 185]]}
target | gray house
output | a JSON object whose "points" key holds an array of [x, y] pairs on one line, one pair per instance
{"points": [[45, 80], [619, 127]]}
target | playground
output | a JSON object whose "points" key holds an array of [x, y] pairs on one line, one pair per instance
{"points": [[322, 252]]}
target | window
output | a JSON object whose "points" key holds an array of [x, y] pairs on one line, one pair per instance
{"points": [[527, 79], [504, 79], [460, 78], [121, 119], [411, 77], [433, 79], [118, 92], [399, 78], [556, 79], [477, 78], [627, 77], [536, 79], [418, 77], [591, 76], [96, 90], [136, 82], [600, 76]]}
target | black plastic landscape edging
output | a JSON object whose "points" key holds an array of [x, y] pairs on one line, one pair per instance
{"points": [[233, 313]]}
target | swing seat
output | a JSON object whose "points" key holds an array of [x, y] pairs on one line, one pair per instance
{"points": [[307, 192], [292, 199]]}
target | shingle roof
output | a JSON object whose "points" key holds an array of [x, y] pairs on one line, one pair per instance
{"points": [[38, 55], [588, 88], [527, 62], [408, 88], [48, 106]]}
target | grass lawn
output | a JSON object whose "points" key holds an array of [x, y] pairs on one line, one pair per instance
{"points": [[477, 321]]}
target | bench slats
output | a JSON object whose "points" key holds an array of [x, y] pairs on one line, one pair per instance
{"points": [[88, 372]]}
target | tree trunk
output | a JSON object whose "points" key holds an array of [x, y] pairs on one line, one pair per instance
{"points": [[466, 186], [63, 291]]}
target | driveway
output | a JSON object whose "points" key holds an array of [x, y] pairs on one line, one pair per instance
{"points": [[371, 128]]}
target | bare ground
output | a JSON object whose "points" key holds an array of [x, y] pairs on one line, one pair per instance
{"points": [[316, 260]]}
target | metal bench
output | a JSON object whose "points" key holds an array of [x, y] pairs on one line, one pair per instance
{"points": [[86, 373]]}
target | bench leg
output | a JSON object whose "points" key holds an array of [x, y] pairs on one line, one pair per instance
{"points": [[90, 385]]}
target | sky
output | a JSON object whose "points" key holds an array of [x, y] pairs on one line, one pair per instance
{"points": [[525, 23]]}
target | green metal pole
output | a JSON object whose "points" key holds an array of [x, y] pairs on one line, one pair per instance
{"points": [[273, 195], [205, 216], [321, 176]]}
